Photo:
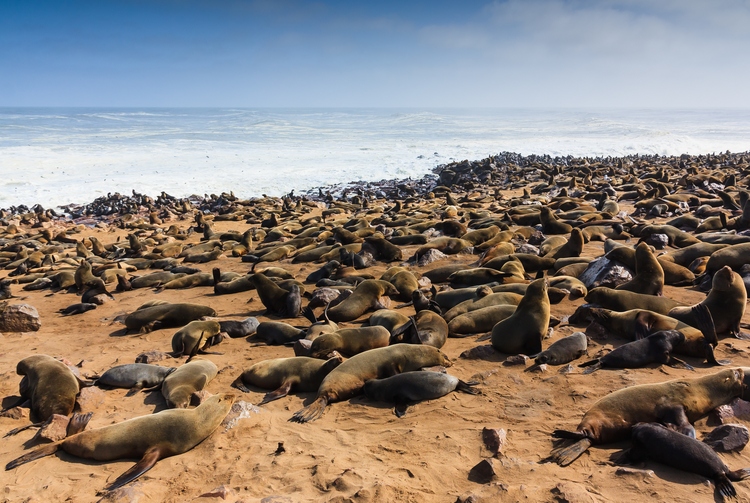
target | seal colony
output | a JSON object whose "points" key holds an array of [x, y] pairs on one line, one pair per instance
{"points": [[327, 308]]}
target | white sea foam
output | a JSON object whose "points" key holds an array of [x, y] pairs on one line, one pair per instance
{"points": [[59, 156]]}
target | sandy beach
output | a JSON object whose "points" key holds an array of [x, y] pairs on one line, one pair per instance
{"points": [[359, 450]]}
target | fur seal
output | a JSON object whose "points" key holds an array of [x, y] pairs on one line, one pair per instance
{"points": [[134, 376], [427, 327], [479, 320], [284, 374], [350, 341], [151, 438], [523, 331], [656, 348], [79, 308], [244, 328], [415, 386], [624, 300], [49, 385], [726, 301], [348, 379], [564, 350], [195, 337], [388, 318], [365, 297], [186, 380], [649, 275], [678, 402], [150, 317], [276, 333], [670, 448], [277, 300], [493, 299]]}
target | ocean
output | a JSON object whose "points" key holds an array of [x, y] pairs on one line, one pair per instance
{"points": [[57, 156]]}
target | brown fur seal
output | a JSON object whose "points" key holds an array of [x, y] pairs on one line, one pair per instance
{"points": [[151, 438], [387, 318], [151, 317], [623, 300], [414, 386], [649, 275], [670, 448], [195, 337], [284, 374], [479, 320], [493, 299], [186, 380], [365, 297], [679, 402], [350, 341], [726, 301], [49, 385], [348, 379], [277, 300], [523, 331], [427, 327]]}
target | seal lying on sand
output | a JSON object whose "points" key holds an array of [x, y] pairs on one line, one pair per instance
{"points": [[679, 402], [150, 438]]}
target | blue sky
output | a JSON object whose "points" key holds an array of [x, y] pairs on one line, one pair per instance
{"points": [[463, 53]]}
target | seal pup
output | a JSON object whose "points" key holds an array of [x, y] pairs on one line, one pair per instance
{"points": [[79, 308], [670, 448], [282, 375], [235, 329], [415, 386], [562, 351], [348, 379], [150, 438], [678, 402]]}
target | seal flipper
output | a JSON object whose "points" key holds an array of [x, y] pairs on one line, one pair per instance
{"points": [[705, 323], [311, 412], [738, 475], [679, 364], [675, 415], [401, 407], [149, 459], [15, 431], [47, 450], [641, 329], [78, 423], [240, 385], [281, 392], [564, 456], [195, 349], [725, 487], [593, 367], [468, 387]]}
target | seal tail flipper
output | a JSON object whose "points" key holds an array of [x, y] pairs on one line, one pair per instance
{"points": [[307, 312], [78, 423], [149, 459], [401, 408], [240, 385], [47, 450], [589, 363], [705, 323], [564, 456], [679, 364], [725, 487], [311, 412], [740, 474], [15, 431], [195, 349], [593, 368], [468, 387], [277, 393]]}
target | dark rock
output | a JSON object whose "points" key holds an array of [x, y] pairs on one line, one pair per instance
{"points": [[484, 472], [728, 438], [494, 440]]}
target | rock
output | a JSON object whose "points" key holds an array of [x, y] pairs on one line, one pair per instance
{"points": [[658, 241], [424, 282], [239, 410], [468, 498], [736, 409], [277, 499], [728, 438], [54, 429], [151, 357], [624, 471], [302, 347], [516, 360], [127, 494], [220, 492], [483, 472], [494, 440], [566, 369], [479, 353], [90, 398], [527, 248], [605, 272], [570, 492], [198, 397], [482, 376], [540, 369], [15, 413], [430, 256], [19, 318], [322, 296]]}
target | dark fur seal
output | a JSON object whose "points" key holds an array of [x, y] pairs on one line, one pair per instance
{"points": [[656, 348], [244, 328], [415, 386], [151, 317], [655, 441], [564, 350], [678, 402], [348, 379], [134, 376], [284, 374], [79, 308], [151, 438]]}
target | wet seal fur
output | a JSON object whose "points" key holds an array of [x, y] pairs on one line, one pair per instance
{"points": [[415, 386], [348, 379], [678, 402], [150, 438]]}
